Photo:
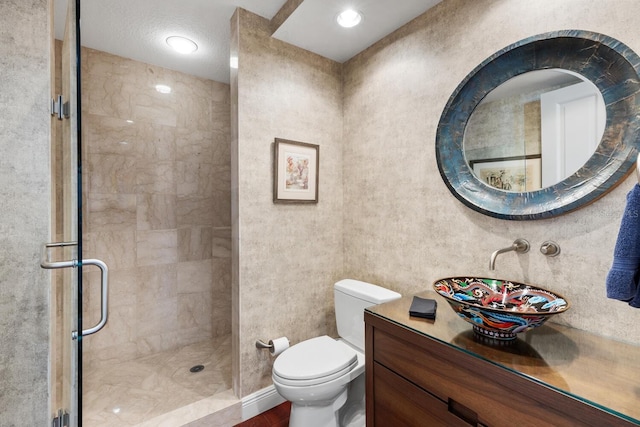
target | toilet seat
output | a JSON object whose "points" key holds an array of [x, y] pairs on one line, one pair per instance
{"points": [[314, 361]]}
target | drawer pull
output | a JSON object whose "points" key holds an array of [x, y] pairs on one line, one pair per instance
{"points": [[462, 412]]}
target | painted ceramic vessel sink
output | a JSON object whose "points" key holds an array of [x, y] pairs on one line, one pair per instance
{"points": [[499, 309]]}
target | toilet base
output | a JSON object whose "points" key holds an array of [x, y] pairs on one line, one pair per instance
{"points": [[317, 416], [353, 412]]}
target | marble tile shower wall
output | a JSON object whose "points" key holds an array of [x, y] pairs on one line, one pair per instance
{"points": [[156, 194]]}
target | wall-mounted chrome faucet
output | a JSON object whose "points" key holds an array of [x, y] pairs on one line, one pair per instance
{"points": [[519, 245]]}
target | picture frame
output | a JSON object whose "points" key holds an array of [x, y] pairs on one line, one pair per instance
{"points": [[295, 171], [515, 174]]}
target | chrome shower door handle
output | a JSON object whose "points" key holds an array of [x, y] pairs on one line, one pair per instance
{"points": [[104, 292], [45, 262]]}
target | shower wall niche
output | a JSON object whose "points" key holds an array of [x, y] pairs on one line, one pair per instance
{"points": [[156, 195]]}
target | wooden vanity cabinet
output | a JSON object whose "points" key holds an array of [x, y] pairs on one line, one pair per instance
{"points": [[415, 380]]}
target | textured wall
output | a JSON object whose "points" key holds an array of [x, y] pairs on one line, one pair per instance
{"points": [[157, 189], [25, 86], [289, 255], [402, 227]]}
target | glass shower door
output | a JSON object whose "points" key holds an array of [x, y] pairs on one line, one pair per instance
{"points": [[63, 256]]}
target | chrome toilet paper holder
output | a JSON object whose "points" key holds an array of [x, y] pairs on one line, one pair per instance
{"points": [[262, 344], [275, 346]]}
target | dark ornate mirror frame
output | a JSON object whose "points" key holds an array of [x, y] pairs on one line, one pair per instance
{"points": [[609, 64]]}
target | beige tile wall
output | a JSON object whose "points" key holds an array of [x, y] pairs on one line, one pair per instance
{"points": [[156, 194]]}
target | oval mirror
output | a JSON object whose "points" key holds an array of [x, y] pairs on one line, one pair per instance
{"points": [[543, 126]]}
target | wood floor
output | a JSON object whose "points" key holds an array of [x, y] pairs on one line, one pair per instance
{"points": [[276, 417]]}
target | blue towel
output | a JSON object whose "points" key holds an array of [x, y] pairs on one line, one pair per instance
{"points": [[622, 280], [635, 302]]}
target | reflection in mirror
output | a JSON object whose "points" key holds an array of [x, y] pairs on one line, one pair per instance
{"points": [[603, 62], [534, 130]]}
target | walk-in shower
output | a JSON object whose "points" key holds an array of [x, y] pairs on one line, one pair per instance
{"points": [[155, 207], [157, 210]]}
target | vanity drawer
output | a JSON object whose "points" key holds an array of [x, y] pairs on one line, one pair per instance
{"points": [[400, 403], [497, 396]]}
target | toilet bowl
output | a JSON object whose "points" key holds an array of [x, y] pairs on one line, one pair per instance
{"points": [[323, 377], [314, 376]]}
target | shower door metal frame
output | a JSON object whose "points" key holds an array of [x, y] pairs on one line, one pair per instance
{"points": [[67, 378]]}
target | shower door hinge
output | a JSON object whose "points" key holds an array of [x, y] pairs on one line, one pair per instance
{"points": [[60, 108], [62, 420]]}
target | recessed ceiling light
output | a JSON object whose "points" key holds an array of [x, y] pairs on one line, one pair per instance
{"points": [[163, 88], [182, 44], [349, 18]]}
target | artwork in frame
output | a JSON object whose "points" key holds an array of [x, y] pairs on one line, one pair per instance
{"points": [[517, 174], [295, 172]]}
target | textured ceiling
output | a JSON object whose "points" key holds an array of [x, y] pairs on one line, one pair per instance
{"points": [[137, 29]]}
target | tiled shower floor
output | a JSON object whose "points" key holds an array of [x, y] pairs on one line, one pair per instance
{"points": [[159, 389]]}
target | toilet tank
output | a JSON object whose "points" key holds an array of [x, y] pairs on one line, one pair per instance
{"points": [[351, 297]]}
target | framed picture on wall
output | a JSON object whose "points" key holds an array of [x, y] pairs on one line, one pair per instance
{"points": [[520, 173], [295, 172]]}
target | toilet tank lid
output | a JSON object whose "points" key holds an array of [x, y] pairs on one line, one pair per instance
{"points": [[366, 291]]}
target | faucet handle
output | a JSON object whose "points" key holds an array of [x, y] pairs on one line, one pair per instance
{"points": [[550, 248], [521, 245]]}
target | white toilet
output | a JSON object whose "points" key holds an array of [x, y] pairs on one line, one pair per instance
{"points": [[323, 377]]}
